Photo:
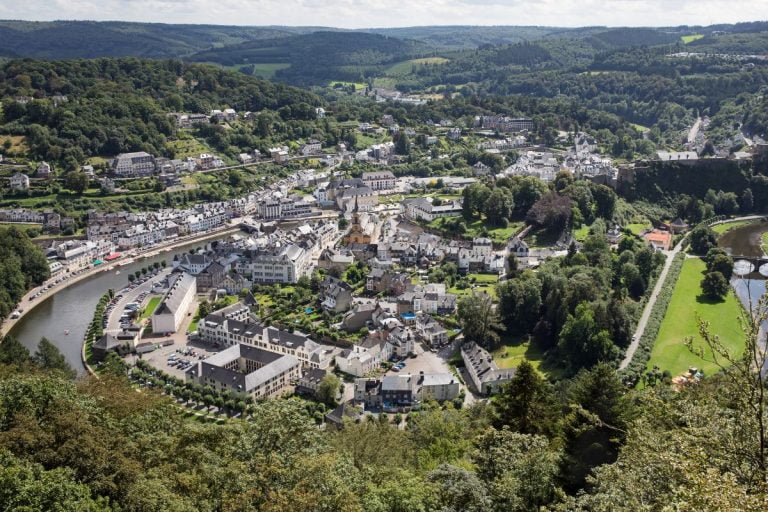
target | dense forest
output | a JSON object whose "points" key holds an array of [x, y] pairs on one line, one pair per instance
{"points": [[586, 444], [89, 39], [22, 266], [119, 105]]}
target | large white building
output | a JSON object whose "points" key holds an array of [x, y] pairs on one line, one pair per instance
{"points": [[380, 180], [247, 369], [484, 374], [77, 254], [175, 305], [284, 208], [421, 208], [134, 164], [233, 325], [281, 264]]}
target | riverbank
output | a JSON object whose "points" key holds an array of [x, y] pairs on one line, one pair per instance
{"points": [[29, 306]]}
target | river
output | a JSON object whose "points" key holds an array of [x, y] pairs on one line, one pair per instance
{"points": [[747, 241], [71, 309]]}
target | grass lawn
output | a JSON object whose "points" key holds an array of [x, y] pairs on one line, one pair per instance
{"points": [[581, 233], [514, 352], [193, 325], [542, 238], [691, 38], [484, 283], [151, 307], [18, 143], [669, 352], [638, 228], [765, 242], [187, 146], [723, 228], [498, 235]]}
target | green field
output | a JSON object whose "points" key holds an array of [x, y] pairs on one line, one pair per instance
{"points": [[406, 67], [723, 228], [151, 307], [640, 127], [358, 86], [765, 242], [267, 70], [669, 352], [691, 38], [186, 146], [21, 226]]}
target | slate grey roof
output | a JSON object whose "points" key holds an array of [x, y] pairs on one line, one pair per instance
{"points": [[175, 294], [274, 365]]}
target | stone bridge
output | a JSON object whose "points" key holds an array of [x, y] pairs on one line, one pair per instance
{"points": [[750, 267]]}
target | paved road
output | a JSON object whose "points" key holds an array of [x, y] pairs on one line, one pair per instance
{"points": [[660, 283], [128, 258]]}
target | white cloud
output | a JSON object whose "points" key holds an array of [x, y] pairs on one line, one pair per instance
{"points": [[389, 13]]}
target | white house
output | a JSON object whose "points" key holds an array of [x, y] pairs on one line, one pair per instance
{"points": [[19, 181]]}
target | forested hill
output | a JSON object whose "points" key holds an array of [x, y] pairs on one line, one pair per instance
{"points": [[88, 39], [320, 56], [118, 105]]}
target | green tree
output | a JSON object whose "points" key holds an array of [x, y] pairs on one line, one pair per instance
{"points": [[527, 404], [498, 207], [720, 263], [30, 487], [328, 390], [76, 182], [595, 426], [458, 489], [479, 321], [715, 285], [520, 303], [402, 144], [582, 343], [702, 239], [49, 357], [12, 352], [519, 469]]}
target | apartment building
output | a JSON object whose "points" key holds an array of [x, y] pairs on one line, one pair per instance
{"points": [[246, 369]]}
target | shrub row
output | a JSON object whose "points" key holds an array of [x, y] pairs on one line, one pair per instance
{"points": [[631, 374]]}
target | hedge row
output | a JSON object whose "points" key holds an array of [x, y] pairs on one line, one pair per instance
{"points": [[632, 374]]}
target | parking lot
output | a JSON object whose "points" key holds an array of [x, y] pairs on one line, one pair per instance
{"points": [[176, 359], [425, 361]]}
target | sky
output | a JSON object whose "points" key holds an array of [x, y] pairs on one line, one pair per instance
{"points": [[397, 13]]}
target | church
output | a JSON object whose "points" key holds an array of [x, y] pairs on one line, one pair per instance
{"points": [[361, 229]]}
